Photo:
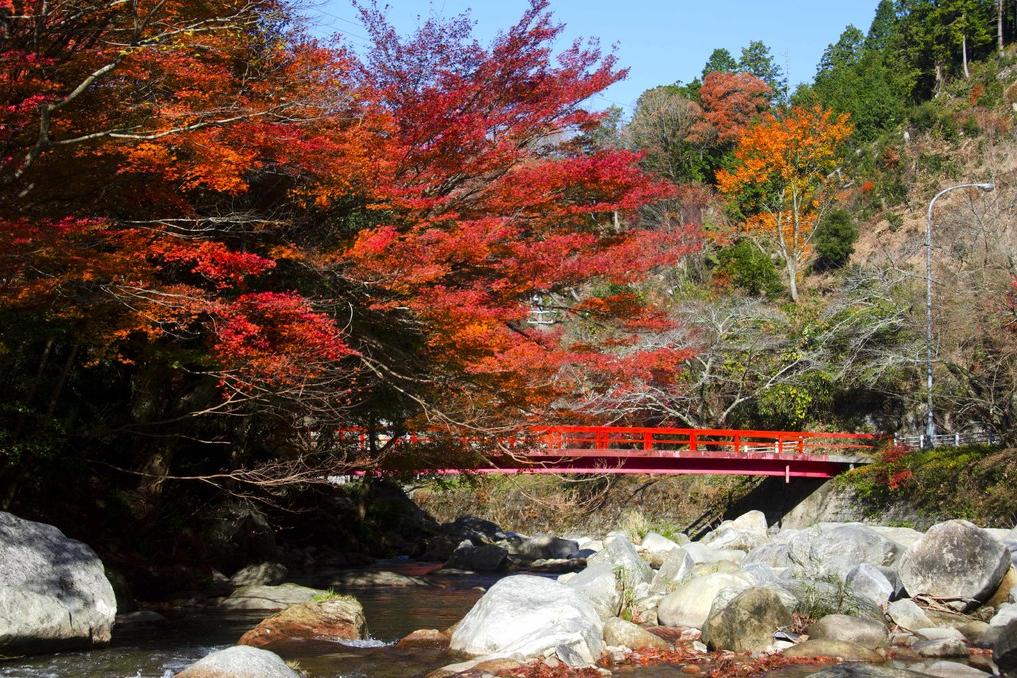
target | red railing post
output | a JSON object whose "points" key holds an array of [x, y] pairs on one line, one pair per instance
{"points": [[801, 444], [693, 442], [737, 444]]}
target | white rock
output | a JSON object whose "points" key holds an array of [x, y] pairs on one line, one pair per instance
{"points": [[262, 573], [946, 669], [939, 633], [618, 552], [955, 559], [907, 615], [870, 583], [525, 616], [690, 604], [269, 597], [598, 583], [1006, 613], [240, 661], [54, 593]]}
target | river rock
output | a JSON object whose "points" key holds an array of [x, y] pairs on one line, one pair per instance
{"points": [[598, 583], [826, 549], [340, 618], [746, 623], [904, 536], [940, 633], [269, 597], [872, 584], [906, 614], [475, 530], [621, 633], [353, 579], [268, 574], [860, 630], [864, 671], [744, 533], [1006, 613], [675, 569], [525, 616], [945, 669], [656, 547], [955, 559], [1004, 592], [851, 652], [619, 553], [543, 547], [940, 648], [424, 638], [485, 558], [690, 604], [1004, 649], [54, 593], [239, 662], [644, 610]]}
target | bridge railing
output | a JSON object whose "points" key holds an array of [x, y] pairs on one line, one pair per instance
{"points": [[651, 440], [661, 441]]}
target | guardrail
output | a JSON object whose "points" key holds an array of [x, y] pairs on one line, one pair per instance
{"points": [[947, 439]]}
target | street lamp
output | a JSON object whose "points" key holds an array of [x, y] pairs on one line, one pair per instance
{"points": [[930, 424]]}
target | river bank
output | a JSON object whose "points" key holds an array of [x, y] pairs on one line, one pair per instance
{"points": [[745, 599]]}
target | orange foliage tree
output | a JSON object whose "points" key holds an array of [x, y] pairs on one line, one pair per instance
{"points": [[781, 180], [731, 102]]}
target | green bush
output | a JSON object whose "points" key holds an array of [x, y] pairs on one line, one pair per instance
{"points": [[835, 240], [749, 269]]}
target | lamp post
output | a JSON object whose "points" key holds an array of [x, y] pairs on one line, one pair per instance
{"points": [[930, 424]]}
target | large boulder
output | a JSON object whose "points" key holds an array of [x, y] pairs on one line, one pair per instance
{"points": [[861, 630], [599, 584], [656, 547], [746, 623], [239, 662], [744, 533], [339, 618], [676, 568], [542, 547], [485, 558], [619, 553], [906, 614], [476, 530], [955, 560], [270, 597], [825, 550], [268, 574], [691, 603], [54, 593], [526, 616]]}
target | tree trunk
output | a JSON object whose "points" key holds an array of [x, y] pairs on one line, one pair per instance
{"points": [[999, 25], [964, 56], [792, 279], [939, 79]]}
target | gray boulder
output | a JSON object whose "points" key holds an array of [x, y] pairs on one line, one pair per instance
{"points": [[826, 549], [955, 560], [619, 553], [941, 648], [861, 630], [543, 547], [269, 597], [947, 669], [691, 603], [851, 652], [485, 558], [746, 623], [262, 573], [656, 547], [744, 533], [54, 593], [239, 662], [1006, 613], [526, 616]]}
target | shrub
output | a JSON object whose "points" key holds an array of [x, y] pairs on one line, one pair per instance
{"points": [[749, 269], [835, 240]]}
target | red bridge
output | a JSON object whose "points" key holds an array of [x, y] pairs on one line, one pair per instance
{"points": [[669, 451]]}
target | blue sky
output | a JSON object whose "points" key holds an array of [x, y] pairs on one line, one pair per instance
{"points": [[660, 41]]}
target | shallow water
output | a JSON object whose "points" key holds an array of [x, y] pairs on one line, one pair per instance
{"points": [[158, 650]]}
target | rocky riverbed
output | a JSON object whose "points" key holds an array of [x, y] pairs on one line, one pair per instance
{"points": [[745, 599]]}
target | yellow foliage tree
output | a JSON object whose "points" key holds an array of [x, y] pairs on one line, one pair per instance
{"points": [[781, 176]]}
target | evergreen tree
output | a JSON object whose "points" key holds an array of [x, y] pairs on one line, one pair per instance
{"points": [[757, 60], [720, 61]]}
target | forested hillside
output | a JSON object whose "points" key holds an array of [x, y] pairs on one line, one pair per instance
{"points": [[224, 243]]}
